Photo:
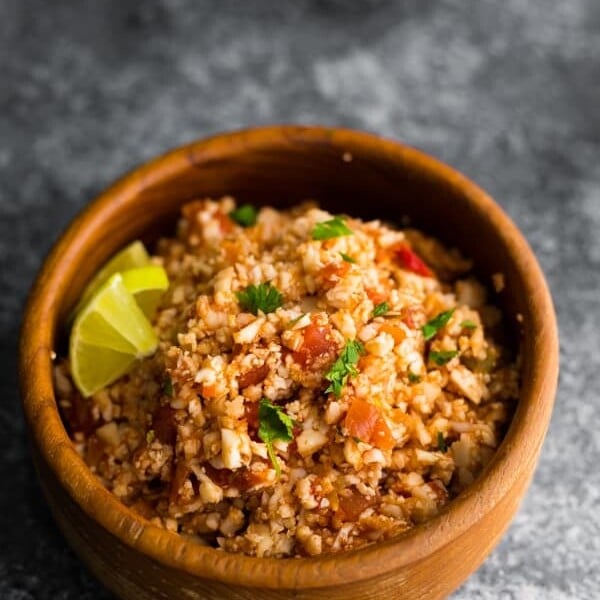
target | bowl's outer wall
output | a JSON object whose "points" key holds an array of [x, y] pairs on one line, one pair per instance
{"points": [[281, 166]]}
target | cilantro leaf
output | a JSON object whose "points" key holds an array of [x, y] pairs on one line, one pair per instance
{"points": [[294, 321], [381, 309], [413, 377], [150, 436], [432, 327], [333, 228], [244, 215], [344, 366], [442, 357], [262, 297], [167, 386], [468, 324], [441, 443], [347, 258], [274, 425]]}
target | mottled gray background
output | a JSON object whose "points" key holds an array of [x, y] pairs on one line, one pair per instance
{"points": [[507, 91]]}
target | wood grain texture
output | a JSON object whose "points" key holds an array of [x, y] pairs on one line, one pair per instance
{"points": [[280, 166]]}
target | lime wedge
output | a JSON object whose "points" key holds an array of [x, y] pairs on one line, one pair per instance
{"points": [[147, 285], [131, 257], [108, 336]]}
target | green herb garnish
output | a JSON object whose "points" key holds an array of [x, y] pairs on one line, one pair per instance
{"points": [[442, 357], [244, 215], [347, 258], [294, 321], [413, 377], [333, 228], [381, 309], [441, 443], [344, 366], [432, 327], [263, 297], [468, 324], [150, 435], [274, 425], [167, 386]]}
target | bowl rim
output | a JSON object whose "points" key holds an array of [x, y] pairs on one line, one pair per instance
{"points": [[517, 453]]}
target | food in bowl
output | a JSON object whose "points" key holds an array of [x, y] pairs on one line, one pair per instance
{"points": [[320, 383]]}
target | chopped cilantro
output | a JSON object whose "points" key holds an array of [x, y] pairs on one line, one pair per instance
{"points": [[441, 443], [244, 215], [413, 377], [347, 258], [150, 435], [274, 425], [294, 321], [343, 367], [333, 228], [442, 357], [263, 297], [468, 324], [432, 327], [381, 309], [167, 386]]}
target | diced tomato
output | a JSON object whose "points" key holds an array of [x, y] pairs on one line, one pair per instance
{"points": [[382, 436], [317, 342], [253, 376], [351, 506], [366, 361], [251, 414], [78, 415], [230, 249], [399, 416], [382, 255], [396, 332], [209, 391], [411, 261], [226, 478], [219, 476], [164, 426], [375, 296], [361, 419], [225, 223], [365, 422], [410, 314], [331, 273]]}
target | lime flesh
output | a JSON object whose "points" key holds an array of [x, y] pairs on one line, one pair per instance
{"points": [[131, 257], [147, 285], [109, 334]]}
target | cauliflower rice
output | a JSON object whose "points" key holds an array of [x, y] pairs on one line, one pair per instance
{"points": [[410, 424]]}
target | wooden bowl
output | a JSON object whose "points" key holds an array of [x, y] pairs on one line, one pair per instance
{"points": [[347, 171]]}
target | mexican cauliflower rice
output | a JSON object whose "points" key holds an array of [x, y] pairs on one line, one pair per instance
{"points": [[320, 383]]}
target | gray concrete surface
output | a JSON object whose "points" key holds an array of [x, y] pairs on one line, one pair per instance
{"points": [[508, 92]]}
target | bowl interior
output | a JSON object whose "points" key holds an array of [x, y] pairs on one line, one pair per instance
{"points": [[346, 172]]}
